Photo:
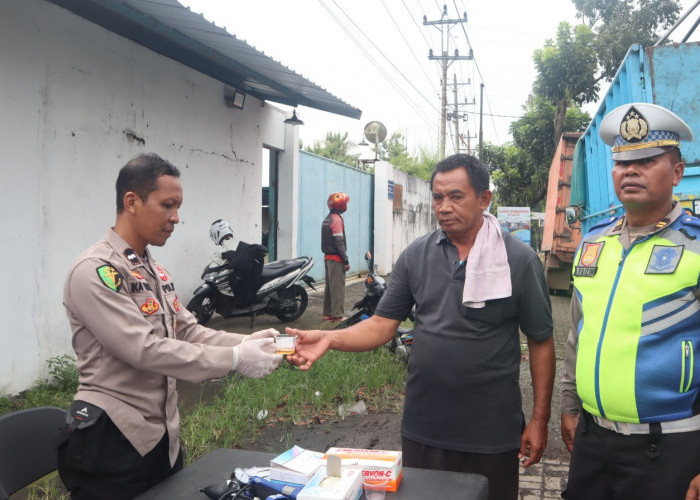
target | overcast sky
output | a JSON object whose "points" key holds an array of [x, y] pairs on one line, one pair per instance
{"points": [[373, 54]]}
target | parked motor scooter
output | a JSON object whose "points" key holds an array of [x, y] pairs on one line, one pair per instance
{"points": [[375, 286], [242, 285]]}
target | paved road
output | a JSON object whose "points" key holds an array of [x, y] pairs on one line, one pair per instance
{"points": [[548, 478]]}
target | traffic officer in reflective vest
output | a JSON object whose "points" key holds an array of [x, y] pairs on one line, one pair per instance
{"points": [[630, 409]]}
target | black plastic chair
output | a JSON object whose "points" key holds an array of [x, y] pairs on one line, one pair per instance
{"points": [[26, 449]]}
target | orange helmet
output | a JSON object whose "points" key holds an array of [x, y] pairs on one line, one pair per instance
{"points": [[338, 201]]}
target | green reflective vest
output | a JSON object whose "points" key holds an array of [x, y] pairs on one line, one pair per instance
{"points": [[640, 331]]}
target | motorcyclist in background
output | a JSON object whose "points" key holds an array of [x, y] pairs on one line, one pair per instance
{"points": [[334, 247]]}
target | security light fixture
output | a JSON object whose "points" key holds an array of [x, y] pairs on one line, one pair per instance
{"points": [[234, 98], [293, 120]]}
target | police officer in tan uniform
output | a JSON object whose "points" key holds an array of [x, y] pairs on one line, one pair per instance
{"points": [[133, 338]]}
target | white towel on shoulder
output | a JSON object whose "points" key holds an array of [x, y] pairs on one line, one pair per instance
{"points": [[487, 275]]}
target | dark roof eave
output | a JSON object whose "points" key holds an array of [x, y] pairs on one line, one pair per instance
{"points": [[166, 40]]}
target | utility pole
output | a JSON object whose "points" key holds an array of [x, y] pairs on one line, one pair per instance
{"points": [[481, 123], [444, 25], [455, 116]]}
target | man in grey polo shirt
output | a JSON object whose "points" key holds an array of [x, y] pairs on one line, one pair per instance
{"points": [[463, 405]]}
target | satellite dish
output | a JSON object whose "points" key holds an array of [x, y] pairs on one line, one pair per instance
{"points": [[375, 132]]}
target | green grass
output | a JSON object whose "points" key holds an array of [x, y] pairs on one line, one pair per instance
{"points": [[290, 395], [58, 390], [231, 420]]}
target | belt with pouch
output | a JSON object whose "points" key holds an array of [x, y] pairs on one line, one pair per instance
{"points": [[79, 416], [674, 426]]}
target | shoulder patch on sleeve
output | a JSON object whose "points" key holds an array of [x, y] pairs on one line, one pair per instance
{"points": [[111, 278]]}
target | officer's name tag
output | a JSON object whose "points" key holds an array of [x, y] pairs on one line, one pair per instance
{"points": [[588, 261]]}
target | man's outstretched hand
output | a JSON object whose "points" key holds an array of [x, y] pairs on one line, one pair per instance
{"points": [[310, 346]]}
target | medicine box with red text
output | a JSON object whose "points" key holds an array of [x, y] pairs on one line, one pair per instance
{"points": [[384, 462]]}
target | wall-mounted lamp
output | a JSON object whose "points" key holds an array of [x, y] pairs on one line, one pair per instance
{"points": [[234, 98], [293, 120]]}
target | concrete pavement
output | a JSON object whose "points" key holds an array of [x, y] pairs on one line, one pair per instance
{"points": [[547, 479]]}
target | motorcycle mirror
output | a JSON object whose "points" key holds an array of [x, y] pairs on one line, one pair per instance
{"points": [[368, 256]]}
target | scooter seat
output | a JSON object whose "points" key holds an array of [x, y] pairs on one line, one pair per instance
{"points": [[281, 267]]}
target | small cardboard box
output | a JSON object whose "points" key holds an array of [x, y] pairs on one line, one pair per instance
{"points": [[296, 465], [347, 486], [388, 463]]}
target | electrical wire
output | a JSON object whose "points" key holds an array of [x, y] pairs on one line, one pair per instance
{"points": [[420, 30], [476, 65], [374, 62], [429, 121], [494, 115], [383, 55], [408, 46]]}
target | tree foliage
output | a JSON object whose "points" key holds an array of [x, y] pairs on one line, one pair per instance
{"points": [[394, 148], [335, 147], [395, 152], [520, 170], [532, 131], [570, 68], [571, 65], [618, 24], [566, 70]]}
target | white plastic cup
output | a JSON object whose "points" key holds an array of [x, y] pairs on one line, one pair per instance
{"points": [[374, 483], [285, 344]]}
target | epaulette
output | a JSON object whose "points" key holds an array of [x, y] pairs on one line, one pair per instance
{"points": [[690, 226], [690, 220], [605, 222]]}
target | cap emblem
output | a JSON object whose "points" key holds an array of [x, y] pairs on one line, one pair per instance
{"points": [[634, 127]]}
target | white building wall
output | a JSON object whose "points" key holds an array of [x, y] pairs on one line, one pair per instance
{"points": [[78, 102], [394, 229], [18, 197], [288, 196]]}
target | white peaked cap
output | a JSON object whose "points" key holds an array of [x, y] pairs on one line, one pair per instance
{"points": [[641, 130]]}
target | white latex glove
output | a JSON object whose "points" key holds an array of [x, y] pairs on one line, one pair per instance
{"points": [[256, 358], [261, 334]]}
